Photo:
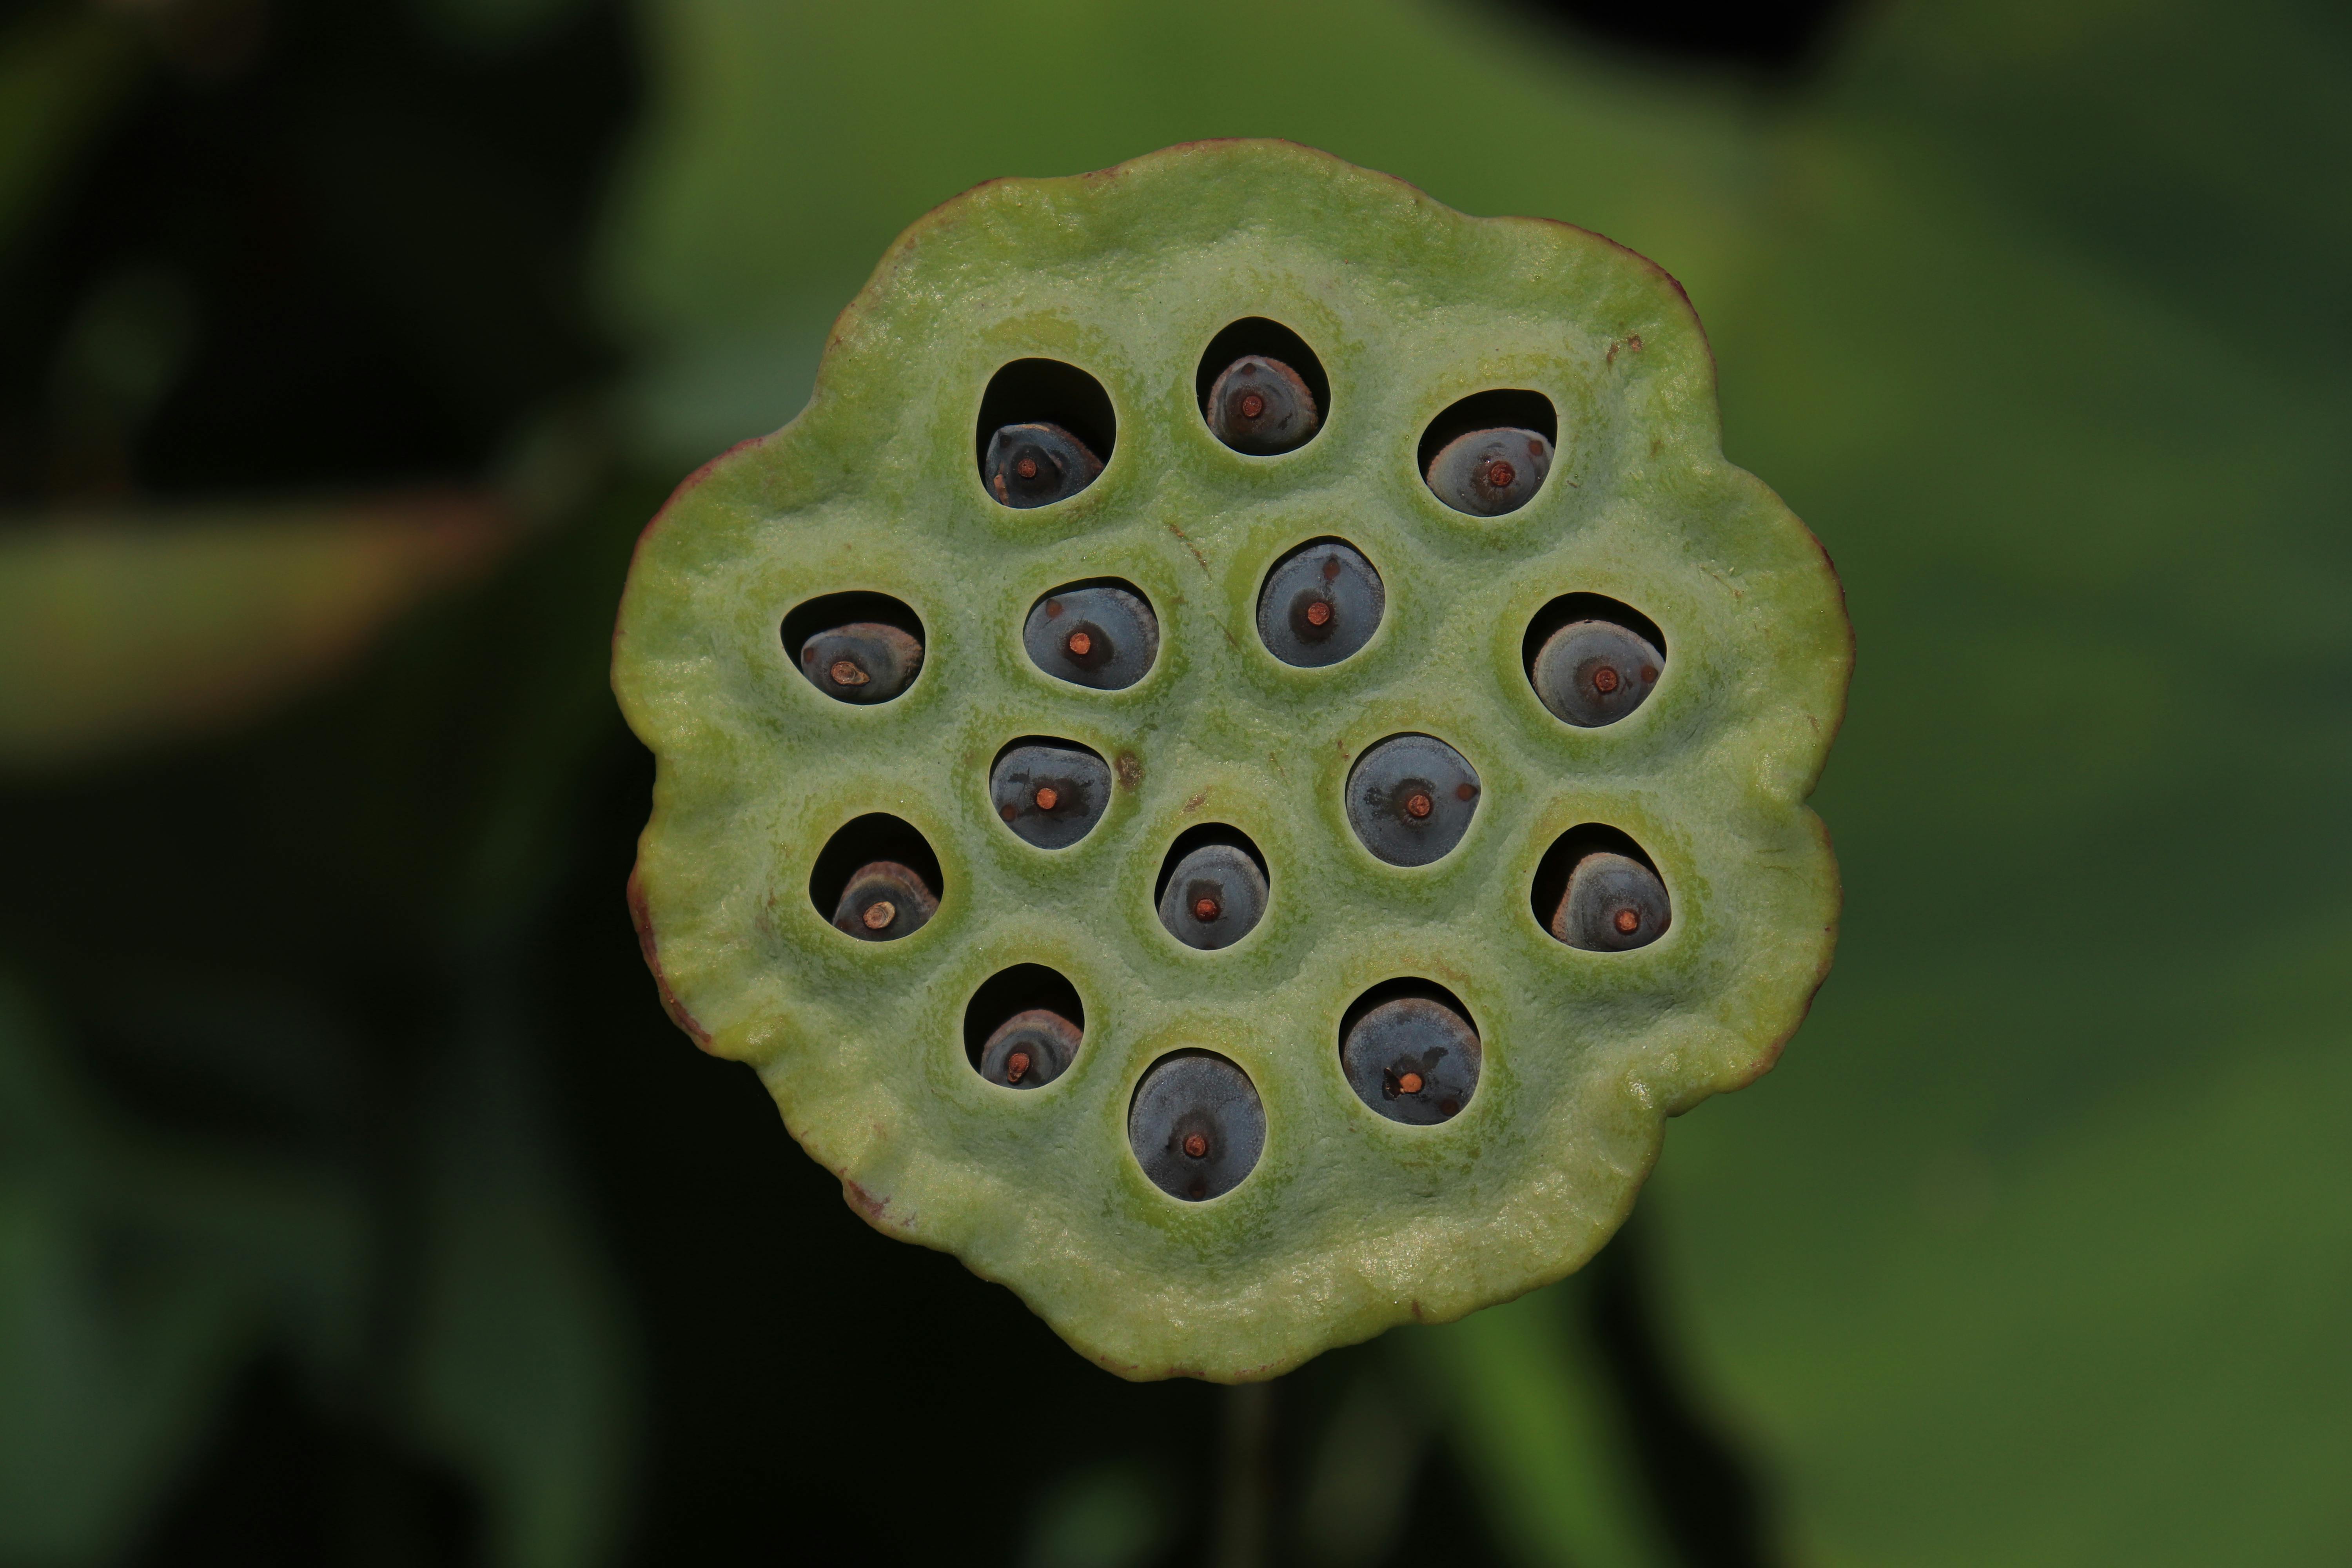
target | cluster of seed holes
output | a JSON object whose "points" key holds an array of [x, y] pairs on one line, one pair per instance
{"points": [[1409, 1047]]}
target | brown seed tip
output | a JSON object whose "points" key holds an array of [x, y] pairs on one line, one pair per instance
{"points": [[1015, 1066], [1048, 797], [1418, 805], [1026, 467], [1253, 405], [1319, 613], [846, 673], [1466, 790], [1500, 474], [1197, 1145], [1627, 921], [1206, 910], [1080, 645], [1011, 812], [1649, 672], [1604, 681], [1410, 1083], [879, 913]]}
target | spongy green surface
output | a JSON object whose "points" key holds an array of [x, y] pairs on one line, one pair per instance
{"points": [[1350, 1223]]}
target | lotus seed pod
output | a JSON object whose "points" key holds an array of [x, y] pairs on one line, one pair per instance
{"points": [[862, 662], [882, 902], [1613, 904], [1414, 1059], [1051, 794], [1262, 406], [1037, 465], [1489, 472], [1197, 1126], [1592, 673], [1215, 896], [1411, 799], [1321, 604], [1029, 1049], [1106, 306], [1101, 636]]}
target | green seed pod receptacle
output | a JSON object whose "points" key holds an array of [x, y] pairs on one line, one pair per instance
{"points": [[1092, 304]]}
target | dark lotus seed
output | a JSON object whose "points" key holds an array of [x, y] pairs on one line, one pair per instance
{"points": [[1029, 1048], [864, 661], [1260, 405], [1196, 1126], [1592, 673], [1101, 637], [1320, 602], [1036, 465], [1050, 795], [1613, 904], [1489, 472], [1411, 799], [1413, 1060], [882, 902], [1215, 895]]}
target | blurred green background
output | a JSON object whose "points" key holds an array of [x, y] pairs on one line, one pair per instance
{"points": [[357, 1202]]}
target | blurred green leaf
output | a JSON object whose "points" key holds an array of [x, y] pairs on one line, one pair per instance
{"points": [[135, 1279], [521, 1368], [126, 630], [1539, 1432], [60, 75], [2027, 1252]]}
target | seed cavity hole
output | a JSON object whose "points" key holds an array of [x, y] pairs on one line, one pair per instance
{"points": [[1409, 1050], [1488, 454], [1049, 792], [857, 648], [1596, 890], [1212, 886], [877, 879], [1045, 430], [1321, 604], [1410, 798], [1022, 1027], [1261, 389], [1101, 633], [1592, 659], [1196, 1125]]}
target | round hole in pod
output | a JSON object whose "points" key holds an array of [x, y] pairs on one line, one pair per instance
{"points": [[1212, 886], [877, 879], [859, 648], [1411, 797], [1262, 390], [1046, 431], [1321, 604], [1597, 889], [1410, 1050], [1489, 453], [1101, 633], [1592, 659], [1022, 1028], [1049, 792], [1196, 1125]]}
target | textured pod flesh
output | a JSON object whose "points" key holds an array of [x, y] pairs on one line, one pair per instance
{"points": [[1346, 1223]]}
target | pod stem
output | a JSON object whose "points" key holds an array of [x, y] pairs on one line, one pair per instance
{"points": [[1245, 1497]]}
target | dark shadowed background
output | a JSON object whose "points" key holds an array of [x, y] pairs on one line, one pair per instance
{"points": [[359, 1205]]}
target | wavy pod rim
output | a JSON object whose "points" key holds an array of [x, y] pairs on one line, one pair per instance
{"points": [[1350, 1224]]}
